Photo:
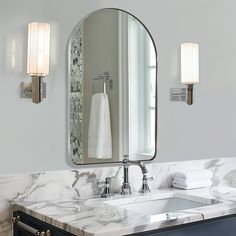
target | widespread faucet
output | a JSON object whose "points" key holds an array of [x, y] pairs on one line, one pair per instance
{"points": [[126, 188]]}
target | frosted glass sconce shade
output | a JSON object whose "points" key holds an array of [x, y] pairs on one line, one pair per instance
{"points": [[189, 63], [37, 61], [38, 49], [189, 73]]}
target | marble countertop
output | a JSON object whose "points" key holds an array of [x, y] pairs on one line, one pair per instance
{"points": [[94, 217]]}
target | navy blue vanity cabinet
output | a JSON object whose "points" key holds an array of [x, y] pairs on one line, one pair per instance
{"points": [[28, 226], [223, 226]]}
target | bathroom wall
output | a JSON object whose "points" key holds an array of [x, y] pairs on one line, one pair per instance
{"points": [[33, 137]]}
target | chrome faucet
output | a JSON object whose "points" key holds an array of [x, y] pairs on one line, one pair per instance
{"points": [[126, 188]]}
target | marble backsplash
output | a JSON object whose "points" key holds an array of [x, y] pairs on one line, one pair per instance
{"points": [[83, 182]]}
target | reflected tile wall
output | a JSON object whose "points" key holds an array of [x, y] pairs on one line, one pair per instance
{"points": [[71, 184], [76, 95]]}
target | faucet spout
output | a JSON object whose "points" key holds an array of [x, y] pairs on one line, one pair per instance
{"points": [[126, 189], [143, 167], [138, 163]]}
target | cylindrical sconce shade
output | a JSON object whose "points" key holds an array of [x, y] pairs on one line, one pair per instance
{"points": [[38, 49], [189, 63]]}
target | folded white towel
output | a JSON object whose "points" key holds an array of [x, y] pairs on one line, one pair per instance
{"points": [[183, 181], [193, 175], [192, 185], [99, 134]]}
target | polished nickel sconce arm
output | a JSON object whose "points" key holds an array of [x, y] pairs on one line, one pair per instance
{"points": [[190, 94], [37, 94]]}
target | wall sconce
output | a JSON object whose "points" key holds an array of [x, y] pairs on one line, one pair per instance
{"points": [[37, 61], [189, 73]]}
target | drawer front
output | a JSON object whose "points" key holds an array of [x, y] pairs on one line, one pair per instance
{"points": [[223, 226], [28, 225]]}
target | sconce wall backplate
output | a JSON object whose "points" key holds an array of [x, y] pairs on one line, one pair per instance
{"points": [[178, 94], [182, 94], [26, 90]]}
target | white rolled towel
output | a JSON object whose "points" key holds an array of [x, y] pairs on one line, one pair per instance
{"points": [[193, 175], [191, 184]]}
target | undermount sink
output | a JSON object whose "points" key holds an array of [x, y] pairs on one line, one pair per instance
{"points": [[154, 204]]}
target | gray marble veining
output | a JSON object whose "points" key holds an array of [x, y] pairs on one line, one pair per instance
{"points": [[84, 218], [82, 183]]}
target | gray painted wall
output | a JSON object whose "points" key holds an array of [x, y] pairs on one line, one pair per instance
{"points": [[33, 137]]}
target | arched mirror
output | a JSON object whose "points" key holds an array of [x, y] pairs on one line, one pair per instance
{"points": [[112, 89]]}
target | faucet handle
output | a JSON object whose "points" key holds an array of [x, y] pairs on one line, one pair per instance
{"points": [[106, 181], [145, 188], [150, 179], [107, 192]]}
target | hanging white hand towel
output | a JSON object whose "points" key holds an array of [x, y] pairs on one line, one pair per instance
{"points": [[99, 133]]}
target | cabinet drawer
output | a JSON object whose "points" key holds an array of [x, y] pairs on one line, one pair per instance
{"points": [[222, 226], [28, 225]]}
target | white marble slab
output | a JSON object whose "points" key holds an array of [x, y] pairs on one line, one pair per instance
{"points": [[100, 219], [82, 183]]}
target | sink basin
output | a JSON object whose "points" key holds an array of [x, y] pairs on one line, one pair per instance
{"points": [[161, 205], [154, 204]]}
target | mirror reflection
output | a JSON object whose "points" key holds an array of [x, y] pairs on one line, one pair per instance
{"points": [[112, 89]]}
